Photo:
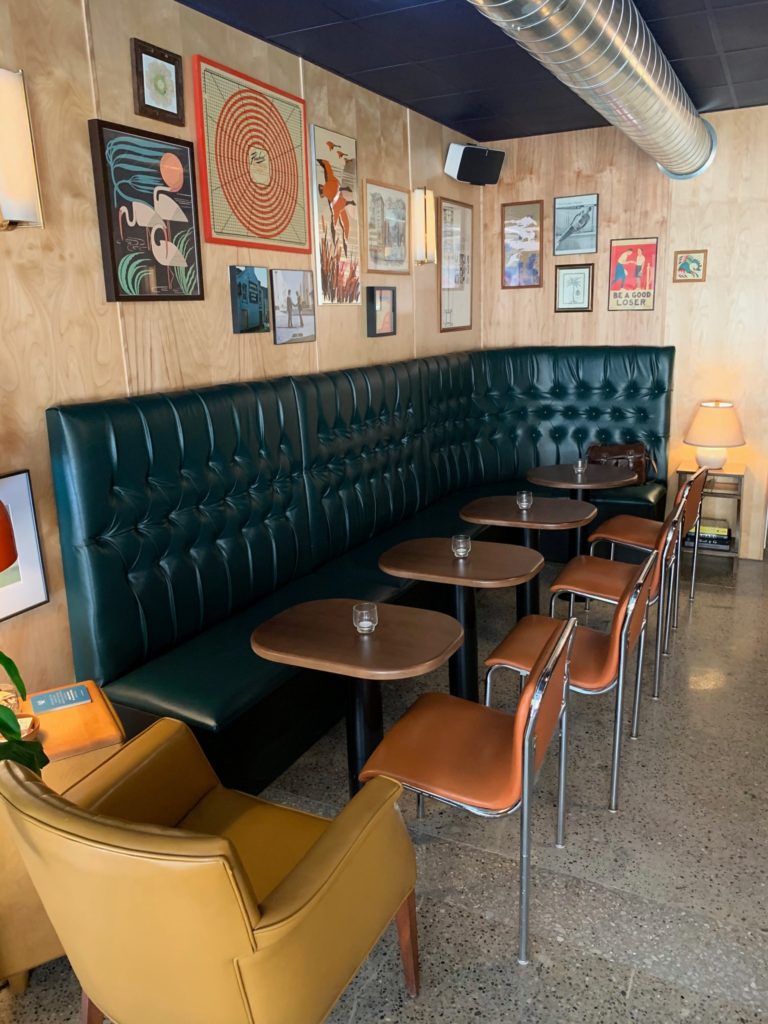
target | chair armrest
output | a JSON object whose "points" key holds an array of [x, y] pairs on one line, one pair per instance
{"points": [[156, 778], [320, 923]]}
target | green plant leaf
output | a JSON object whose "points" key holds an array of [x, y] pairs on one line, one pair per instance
{"points": [[13, 674], [28, 753], [9, 724]]}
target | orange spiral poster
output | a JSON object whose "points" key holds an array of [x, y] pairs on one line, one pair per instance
{"points": [[632, 284]]}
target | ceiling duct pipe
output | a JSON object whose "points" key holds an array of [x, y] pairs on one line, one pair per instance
{"points": [[605, 53]]}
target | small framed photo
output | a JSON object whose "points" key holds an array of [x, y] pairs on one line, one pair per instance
{"points": [[293, 306], [575, 225], [573, 288], [22, 577], [158, 86], [386, 214], [632, 281], [381, 307], [690, 265], [249, 294], [521, 244]]}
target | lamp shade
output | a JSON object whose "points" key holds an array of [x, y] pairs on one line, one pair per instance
{"points": [[19, 192], [715, 427], [8, 552], [424, 226]]}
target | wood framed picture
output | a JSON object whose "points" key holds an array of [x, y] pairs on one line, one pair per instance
{"points": [[145, 199], [22, 576], [249, 295], [293, 306], [337, 227], [689, 265], [386, 214], [454, 246], [381, 310], [574, 287], [521, 225], [632, 282], [252, 140], [575, 225], [158, 84]]}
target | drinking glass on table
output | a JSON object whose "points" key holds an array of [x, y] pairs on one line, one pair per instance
{"points": [[524, 500], [461, 545], [580, 466], [365, 617]]}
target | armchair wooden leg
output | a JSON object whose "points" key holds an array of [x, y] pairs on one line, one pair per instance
{"points": [[409, 943], [17, 983], [89, 1012]]}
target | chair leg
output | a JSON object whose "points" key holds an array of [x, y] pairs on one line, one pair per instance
{"points": [[638, 683], [525, 853], [659, 639], [695, 555], [89, 1012], [409, 942], [18, 982], [678, 567], [671, 572], [419, 806], [613, 804], [562, 780]]}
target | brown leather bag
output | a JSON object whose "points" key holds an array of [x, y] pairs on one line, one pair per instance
{"points": [[634, 456]]}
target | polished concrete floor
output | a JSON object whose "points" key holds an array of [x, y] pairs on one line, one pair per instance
{"points": [[656, 914]]}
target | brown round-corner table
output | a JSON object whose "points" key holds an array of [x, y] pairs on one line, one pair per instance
{"points": [[596, 477], [487, 566], [320, 635], [544, 514]]}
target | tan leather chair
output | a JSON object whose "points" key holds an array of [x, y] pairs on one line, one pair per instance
{"points": [[179, 900], [483, 760], [598, 660]]}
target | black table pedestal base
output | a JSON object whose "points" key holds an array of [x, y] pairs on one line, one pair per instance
{"points": [[365, 726], [462, 667], [528, 592]]}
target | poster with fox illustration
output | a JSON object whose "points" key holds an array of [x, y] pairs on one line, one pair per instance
{"points": [[336, 205]]}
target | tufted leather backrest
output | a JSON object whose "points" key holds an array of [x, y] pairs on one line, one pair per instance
{"points": [[175, 510], [449, 423], [544, 405], [364, 453]]}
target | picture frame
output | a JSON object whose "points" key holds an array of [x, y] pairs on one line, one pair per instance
{"points": [[521, 244], [147, 210], [574, 225], [293, 321], [387, 219], [381, 311], [574, 287], [454, 247], [249, 297], [632, 279], [252, 144], [336, 204], [158, 83], [689, 266], [22, 582]]}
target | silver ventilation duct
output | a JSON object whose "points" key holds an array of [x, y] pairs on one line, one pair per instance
{"points": [[604, 51]]}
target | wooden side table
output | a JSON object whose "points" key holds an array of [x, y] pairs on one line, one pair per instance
{"points": [[79, 729], [727, 483]]}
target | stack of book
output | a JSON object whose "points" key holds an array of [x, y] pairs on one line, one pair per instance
{"points": [[715, 533]]}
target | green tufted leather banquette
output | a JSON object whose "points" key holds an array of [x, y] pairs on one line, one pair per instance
{"points": [[187, 518]]}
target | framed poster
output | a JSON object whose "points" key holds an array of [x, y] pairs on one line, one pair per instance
{"points": [[381, 310], [158, 86], [573, 288], [253, 160], [521, 244], [454, 246], [293, 305], [145, 198], [249, 295], [336, 204], [632, 284], [575, 225], [690, 265], [386, 213], [22, 577]]}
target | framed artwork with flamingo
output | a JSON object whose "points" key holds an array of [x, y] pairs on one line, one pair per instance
{"points": [[145, 192], [337, 226]]}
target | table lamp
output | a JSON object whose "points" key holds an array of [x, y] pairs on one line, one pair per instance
{"points": [[714, 428], [8, 553]]}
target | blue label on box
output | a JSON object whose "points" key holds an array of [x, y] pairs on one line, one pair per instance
{"points": [[57, 700]]}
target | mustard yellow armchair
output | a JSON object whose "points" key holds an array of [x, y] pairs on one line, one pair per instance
{"points": [[176, 899]]}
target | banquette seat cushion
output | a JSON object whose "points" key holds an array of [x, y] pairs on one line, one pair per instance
{"points": [[187, 518]]}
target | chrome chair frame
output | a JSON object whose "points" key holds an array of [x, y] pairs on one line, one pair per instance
{"points": [[528, 778], [617, 683]]}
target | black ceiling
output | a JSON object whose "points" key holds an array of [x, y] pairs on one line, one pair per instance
{"points": [[444, 59]]}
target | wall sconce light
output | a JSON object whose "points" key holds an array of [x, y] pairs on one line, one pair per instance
{"points": [[19, 189], [424, 226], [714, 428]]}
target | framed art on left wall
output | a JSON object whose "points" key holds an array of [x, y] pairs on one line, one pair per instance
{"points": [[22, 577]]}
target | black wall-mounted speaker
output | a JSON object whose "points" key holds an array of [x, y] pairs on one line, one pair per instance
{"points": [[474, 164]]}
